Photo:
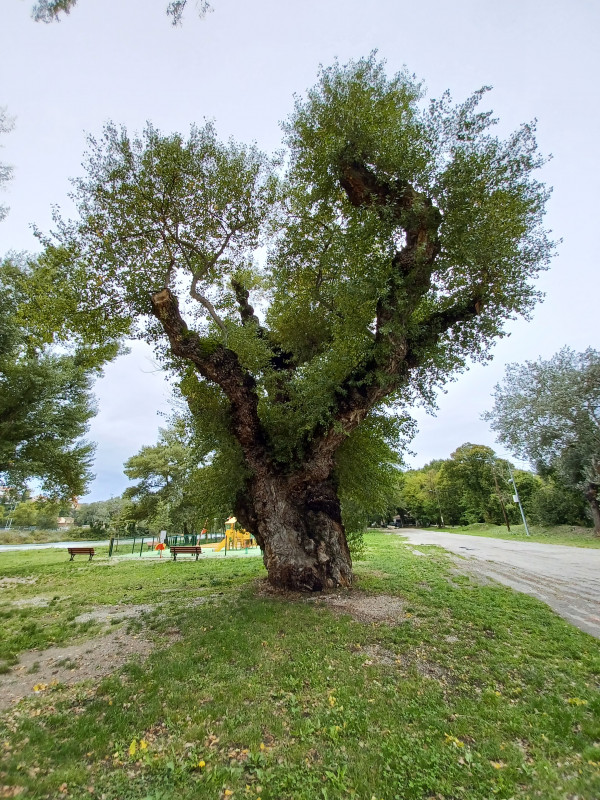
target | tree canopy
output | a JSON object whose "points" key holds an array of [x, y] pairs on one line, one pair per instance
{"points": [[548, 413], [470, 486], [399, 238], [52, 10], [6, 125], [45, 399]]}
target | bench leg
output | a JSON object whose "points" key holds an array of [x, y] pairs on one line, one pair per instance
{"points": [[91, 556], [72, 556]]}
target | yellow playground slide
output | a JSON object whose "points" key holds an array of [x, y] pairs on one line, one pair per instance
{"points": [[235, 539]]}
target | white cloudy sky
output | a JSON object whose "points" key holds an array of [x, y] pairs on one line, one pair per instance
{"points": [[241, 65]]}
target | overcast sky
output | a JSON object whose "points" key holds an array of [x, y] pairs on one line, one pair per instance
{"points": [[121, 60]]}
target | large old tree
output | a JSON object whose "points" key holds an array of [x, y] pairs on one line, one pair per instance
{"points": [[302, 301]]}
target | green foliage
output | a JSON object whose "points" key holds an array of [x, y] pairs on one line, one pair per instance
{"points": [[334, 261], [155, 206], [183, 479], [101, 516], [6, 125], [40, 513], [51, 10], [425, 495], [556, 504], [399, 238], [157, 209], [548, 412], [471, 486], [474, 473], [467, 488], [45, 397], [367, 470]]}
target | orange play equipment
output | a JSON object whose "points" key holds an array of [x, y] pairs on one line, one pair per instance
{"points": [[235, 539]]}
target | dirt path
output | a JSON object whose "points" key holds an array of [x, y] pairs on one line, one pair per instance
{"points": [[566, 578]]}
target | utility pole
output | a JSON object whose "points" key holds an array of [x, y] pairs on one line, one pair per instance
{"points": [[517, 499]]}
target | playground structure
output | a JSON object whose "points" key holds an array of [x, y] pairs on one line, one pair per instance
{"points": [[235, 538], [224, 537]]}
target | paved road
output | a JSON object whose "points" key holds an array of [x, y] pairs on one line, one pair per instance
{"points": [[7, 548], [566, 578]]}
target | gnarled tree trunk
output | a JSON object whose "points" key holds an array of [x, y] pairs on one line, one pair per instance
{"points": [[298, 526]]}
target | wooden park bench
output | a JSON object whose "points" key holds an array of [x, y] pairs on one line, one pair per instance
{"points": [[185, 548], [81, 551]]}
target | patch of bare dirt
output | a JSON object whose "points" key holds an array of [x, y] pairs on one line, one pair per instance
{"points": [[114, 613], [6, 583], [363, 607], [31, 602], [376, 654], [368, 608], [265, 589], [427, 669], [90, 660]]}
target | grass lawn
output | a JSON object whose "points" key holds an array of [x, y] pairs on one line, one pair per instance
{"points": [[544, 534], [466, 691]]}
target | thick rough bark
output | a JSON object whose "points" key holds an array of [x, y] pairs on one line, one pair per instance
{"points": [[591, 495], [299, 529]]}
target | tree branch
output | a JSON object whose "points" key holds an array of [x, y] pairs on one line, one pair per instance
{"points": [[395, 351], [242, 295], [195, 294], [221, 366]]}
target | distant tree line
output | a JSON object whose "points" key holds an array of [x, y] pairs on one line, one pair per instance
{"points": [[473, 485]]}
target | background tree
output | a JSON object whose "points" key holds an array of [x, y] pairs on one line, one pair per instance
{"points": [[401, 238], [45, 399], [427, 497], [161, 497], [548, 412], [51, 10], [101, 516], [471, 486], [6, 125], [474, 474], [553, 503]]}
